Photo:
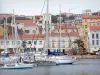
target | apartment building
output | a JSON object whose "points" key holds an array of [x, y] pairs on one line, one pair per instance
{"points": [[1, 30], [63, 39], [94, 38], [32, 41], [86, 22]]}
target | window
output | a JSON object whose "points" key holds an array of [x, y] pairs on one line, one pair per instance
{"points": [[97, 36], [53, 45], [58, 50], [2, 42], [34, 31], [18, 42], [7, 42], [40, 42], [53, 40], [97, 42], [92, 42], [63, 41], [85, 26], [40, 21], [63, 46], [85, 33], [92, 36], [66, 30], [73, 30], [97, 23], [35, 42], [59, 41], [13, 42], [58, 30], [48, 22], [45, 22], [59, 44], [29, 42], [40, 49], [85, 20], [26, 31]]}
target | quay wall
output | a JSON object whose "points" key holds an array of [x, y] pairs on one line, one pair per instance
{"points": [[87, 56]]}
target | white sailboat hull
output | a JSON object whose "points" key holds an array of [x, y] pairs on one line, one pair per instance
{"points": [[17, 66], [64, 61]]}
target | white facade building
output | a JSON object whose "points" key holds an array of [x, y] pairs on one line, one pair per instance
{"points": [[11, 44], [63, 43], [87, 12], [94, 38]]}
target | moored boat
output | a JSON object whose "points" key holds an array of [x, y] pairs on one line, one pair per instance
{"points": [[64, 61], [17, 66]]}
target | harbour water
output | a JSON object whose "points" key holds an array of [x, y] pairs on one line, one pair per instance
{"points": [[81, 67]]}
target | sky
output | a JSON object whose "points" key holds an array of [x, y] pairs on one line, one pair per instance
{"points": [[34, 7]]}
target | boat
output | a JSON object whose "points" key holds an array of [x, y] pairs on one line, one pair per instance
{"points": [[17, 66], [60, 60], [64, 61]]}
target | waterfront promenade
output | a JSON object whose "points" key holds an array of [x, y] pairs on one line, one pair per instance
{"points": [[85, 56]]}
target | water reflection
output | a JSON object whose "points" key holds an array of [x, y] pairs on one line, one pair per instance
{"points": [[83, 73], [82, 67]]}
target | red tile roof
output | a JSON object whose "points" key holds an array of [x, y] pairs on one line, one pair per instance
{"points": [[33, 36], [65, 27], [28, 36], [91, 17], [94, 27], [38, 16], [66, 34], [26, 22], [94, 22]]}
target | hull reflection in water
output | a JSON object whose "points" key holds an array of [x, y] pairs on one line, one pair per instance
{"points": [[81, 67]]}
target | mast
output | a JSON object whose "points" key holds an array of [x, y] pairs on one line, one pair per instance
{"points": [[15, 28], [5, 35], [12, 24], [50, 36], [47, 24], [60, 25]]}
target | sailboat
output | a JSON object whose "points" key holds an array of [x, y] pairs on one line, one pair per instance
{"points": [[16, 65], [5, 54], [61, 59]]}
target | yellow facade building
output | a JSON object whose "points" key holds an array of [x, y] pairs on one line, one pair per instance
{"points": [[1, 30], [86, 22]]}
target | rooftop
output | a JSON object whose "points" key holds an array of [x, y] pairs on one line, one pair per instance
{"points": [[26, 22], [75, 34], [91, 17], [94, 27], [65, 27]]}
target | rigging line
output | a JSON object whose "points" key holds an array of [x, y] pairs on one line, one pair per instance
{"points": [[43, 7], [40, 15], [60, 25], [68, 35]]}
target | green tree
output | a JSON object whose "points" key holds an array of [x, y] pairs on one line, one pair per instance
{"points": [[54, 19], [64, 17], [71, 17]]}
